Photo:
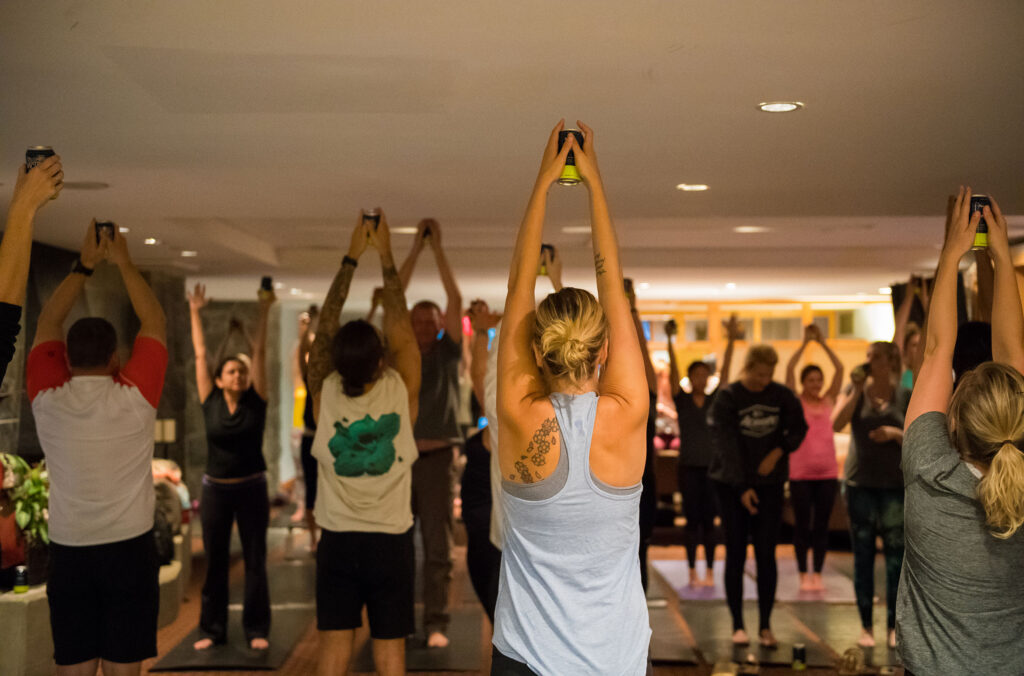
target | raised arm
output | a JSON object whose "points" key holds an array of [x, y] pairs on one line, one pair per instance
{"points": [[795, 359], [837, 367], [330, 315], [50, 325], [1008, 325], [673, 364], [622, 378], [409, 264], [32, 190], [903, 315], [197, 300], [652, 377], [405, 354], [259, 345], [482, 321], [553, 260], [846, 404], [152, 320], [934, 386], [732, 332], [307, 331], [453, 311]]}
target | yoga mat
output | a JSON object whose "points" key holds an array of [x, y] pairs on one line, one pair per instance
{"points": [[287, 627], [838, 587], [462, 654], [839, 627], [669, 645], [677, 574]]}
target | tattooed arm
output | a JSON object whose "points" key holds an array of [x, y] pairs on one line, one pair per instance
{"points": [[320, 366], [402, 348]]}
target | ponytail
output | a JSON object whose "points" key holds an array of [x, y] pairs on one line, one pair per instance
{"points": [[1001, 491]]}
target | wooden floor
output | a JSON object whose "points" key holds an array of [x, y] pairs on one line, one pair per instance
{"points": [[303, 659]]}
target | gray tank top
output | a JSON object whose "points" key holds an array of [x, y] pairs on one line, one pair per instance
{"points": [[569, 595]]}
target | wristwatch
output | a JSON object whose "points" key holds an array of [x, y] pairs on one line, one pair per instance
{"points": [[78, 267]]}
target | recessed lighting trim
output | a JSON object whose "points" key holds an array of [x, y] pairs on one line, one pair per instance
{"points": [[189, 254], [123, 230], [278, 285], [750, 229], [692, 187], [404, 231], [780, 106], [151, 241], [577, 230]]}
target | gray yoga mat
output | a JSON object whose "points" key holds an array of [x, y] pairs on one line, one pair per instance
{"points": [[462, 654]]}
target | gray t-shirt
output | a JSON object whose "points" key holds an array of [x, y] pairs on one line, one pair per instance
{"points": [[439, 392], [960, 608], [870, 464]]}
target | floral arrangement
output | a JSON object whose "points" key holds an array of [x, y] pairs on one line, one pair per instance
{"points": [[28, 488]]}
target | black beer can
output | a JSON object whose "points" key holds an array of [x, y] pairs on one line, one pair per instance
{"points": [[20, 579], [36, 154], [978, 203], [570, 175], [371, 217], [799, 657]]}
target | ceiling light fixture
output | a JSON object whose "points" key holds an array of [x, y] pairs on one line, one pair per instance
{"points": [[278, 285], [750, 229], [731, 285], [296, 292], [643, 285], [123, 230], [404, 231], [780, 106], [189, 254], [577, 230], [151, 241], [885, 290], [692, 187]]}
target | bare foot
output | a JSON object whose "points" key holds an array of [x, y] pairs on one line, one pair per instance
{"points": [[708, 580], [694, 580], [892, 638], [202, 644], [259, 644], [806, 584], [299, 514], [739, 637], [437, 640], [817, 582], [767, 639], [866, 639]]}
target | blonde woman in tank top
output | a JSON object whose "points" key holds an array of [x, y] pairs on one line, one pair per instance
{"points": [[572, 407]]}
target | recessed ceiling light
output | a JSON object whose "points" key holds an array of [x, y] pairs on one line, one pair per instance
{"points": [[885, 290], [189, 254], [691, 187], [577, 230], [152, 241], [750, 229], [780, 106], [404, 231], [123, 230], [278, 285], [295, 292], [731, 285], [643, 285]]}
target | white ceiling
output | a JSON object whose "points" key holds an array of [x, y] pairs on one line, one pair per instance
{"points": [[254, 131]]}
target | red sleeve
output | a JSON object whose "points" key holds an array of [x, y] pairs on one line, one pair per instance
{"points": [[146, 368], [47, 368]]}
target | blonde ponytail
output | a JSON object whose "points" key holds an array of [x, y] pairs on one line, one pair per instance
{"points": [[570, 330], [986, 424]]}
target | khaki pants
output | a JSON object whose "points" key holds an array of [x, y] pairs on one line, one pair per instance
{"points": [[432, 506]]}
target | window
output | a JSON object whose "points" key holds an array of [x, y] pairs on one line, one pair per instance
{"points": [[781, 328]]}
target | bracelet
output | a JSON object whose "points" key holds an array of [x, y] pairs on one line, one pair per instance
{"points": [[78, 267], [348, 260]]}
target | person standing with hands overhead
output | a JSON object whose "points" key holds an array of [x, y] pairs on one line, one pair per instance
{"points": [[439, 337], [572, 453], [756, 424], [95, 422]]}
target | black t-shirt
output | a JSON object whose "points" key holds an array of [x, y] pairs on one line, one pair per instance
{"points": [[649, 497], [234, 440], [10, 315], [695, 443], [476, 484], [307, 412], [746, 426]]}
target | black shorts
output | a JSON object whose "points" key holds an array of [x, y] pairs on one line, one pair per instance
{"points": [[104, 601], [309, 470], [372, 569]]}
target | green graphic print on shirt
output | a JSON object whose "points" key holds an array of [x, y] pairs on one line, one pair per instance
{"points": [[365, 447]]}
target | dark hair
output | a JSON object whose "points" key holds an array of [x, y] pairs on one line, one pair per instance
{"points": [[694, 365], [973, 347], [427, 305], [808, 370], [219, 372], [356, 352], [91, 342]]}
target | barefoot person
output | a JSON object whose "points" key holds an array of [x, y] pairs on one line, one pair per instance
{"points": [[756, 424], [95, 423], [572, 455], [696, 448], [813, 471], [365, 389], [960, 608], [235, 482]]}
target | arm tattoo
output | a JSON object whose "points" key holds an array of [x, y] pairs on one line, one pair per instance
{"points": [[393, 298], [599, 264], [320, 352], [537, 452]]}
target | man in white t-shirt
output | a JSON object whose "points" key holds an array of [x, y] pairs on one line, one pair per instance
{"points": [[94, 418]]}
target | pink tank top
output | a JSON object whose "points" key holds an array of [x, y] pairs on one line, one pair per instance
{"points": [[816, 457]]}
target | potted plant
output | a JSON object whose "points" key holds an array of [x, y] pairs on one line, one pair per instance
{"points": [[29, 491]]}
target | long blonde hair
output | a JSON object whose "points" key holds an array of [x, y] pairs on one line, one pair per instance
{"points": [[569, 332], [986, 425]]}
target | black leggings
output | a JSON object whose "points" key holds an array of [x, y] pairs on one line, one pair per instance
{"points": [[817, 496], [699, 507], [221, 506], [740, 528]]}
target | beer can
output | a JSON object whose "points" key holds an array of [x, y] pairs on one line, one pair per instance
{"points": [[36, 154], [799, 657], [371, 217], [978, 203], [20, 579], [570, 175]]}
